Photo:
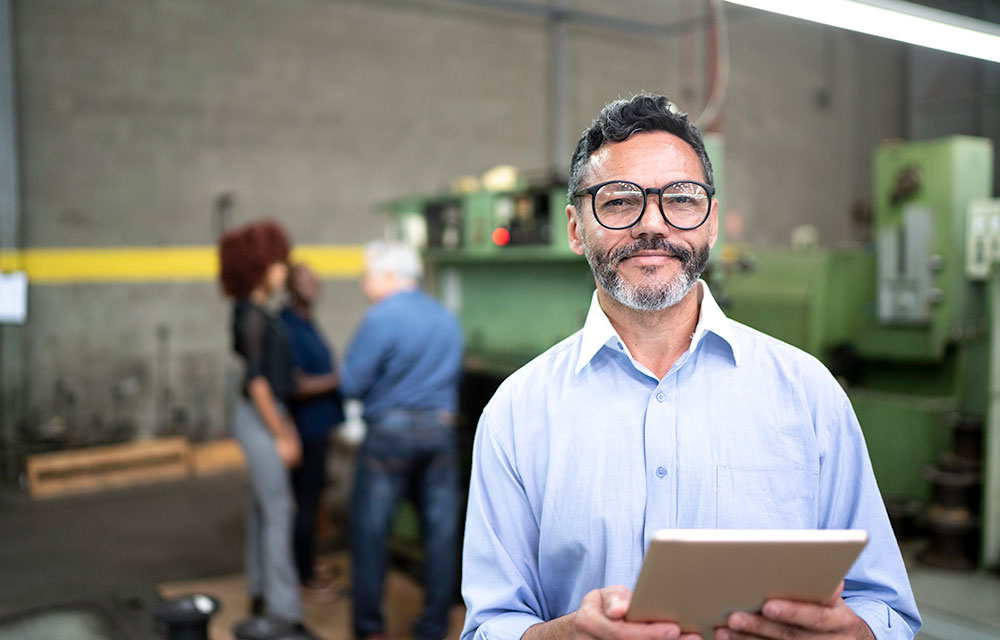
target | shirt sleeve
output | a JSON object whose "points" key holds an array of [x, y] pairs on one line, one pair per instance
{"points": [[362, 358], [251, 333], [876, 587], [500, 582]]}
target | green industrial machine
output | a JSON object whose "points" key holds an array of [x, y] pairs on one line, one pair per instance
{"points": [[906, 325], [901, 322], [484, 251]]}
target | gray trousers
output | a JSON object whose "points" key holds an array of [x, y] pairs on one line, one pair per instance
{"points": [[270, 570]]}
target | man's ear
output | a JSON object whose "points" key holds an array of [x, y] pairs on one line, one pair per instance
{"points": [[713, 224], [574, 232]]}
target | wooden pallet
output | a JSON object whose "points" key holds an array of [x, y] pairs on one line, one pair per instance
{"points": [[97, 468], [216, 456]]}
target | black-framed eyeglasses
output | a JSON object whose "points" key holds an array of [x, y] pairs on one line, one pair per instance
{"points": [[619, 204]]}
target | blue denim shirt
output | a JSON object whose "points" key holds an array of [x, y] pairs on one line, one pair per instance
{"points": [[583, 454], [406, 354]]}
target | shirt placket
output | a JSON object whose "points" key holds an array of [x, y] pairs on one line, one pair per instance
{"points": [[661, 461]]}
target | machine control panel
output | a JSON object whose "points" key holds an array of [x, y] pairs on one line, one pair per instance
{"points": [[907, 261], [983, 238]]}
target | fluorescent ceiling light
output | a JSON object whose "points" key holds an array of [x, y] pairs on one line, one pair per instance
{"points": [[897, 20]]}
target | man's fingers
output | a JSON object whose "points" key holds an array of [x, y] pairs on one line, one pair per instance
{"points": [[601, 615], [615, 600], [745, 625], [648, 631], [789, 620], [606, 629], [809, 616]]}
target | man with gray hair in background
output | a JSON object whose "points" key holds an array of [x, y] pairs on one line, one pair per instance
{"points": [[404, 362]]}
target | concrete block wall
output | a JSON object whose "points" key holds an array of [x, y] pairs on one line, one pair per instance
{"points": [[135, 117]]}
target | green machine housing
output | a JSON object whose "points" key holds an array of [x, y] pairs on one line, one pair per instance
{"points": [[901, 322], [501, 261]]}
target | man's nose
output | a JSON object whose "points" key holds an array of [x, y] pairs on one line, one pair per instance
{"points": [[652, 221]]}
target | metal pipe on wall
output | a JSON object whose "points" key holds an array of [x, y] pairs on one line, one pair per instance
{"points": [[560, 71]]}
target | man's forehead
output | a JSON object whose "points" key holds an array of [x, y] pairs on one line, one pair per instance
{"points": [[650, 150]]}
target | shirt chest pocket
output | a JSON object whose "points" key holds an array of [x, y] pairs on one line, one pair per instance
{"points": [[765, 498]]}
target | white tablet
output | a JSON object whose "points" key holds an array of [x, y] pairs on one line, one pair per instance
{"points": [[697, 577]]}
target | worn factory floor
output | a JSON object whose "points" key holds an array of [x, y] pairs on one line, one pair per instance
{"points": [[102, 561], [93, 565], [330, 620]]}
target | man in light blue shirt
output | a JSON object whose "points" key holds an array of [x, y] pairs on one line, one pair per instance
{"points": [[661, 413]]}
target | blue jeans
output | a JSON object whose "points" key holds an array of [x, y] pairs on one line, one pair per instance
{"points": [[406, 453]]}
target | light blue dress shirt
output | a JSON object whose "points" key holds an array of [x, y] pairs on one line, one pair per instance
{"points": [[583, 454], [406, 354]]}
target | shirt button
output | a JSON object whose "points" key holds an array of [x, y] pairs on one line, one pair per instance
{"points": [[660, 472], [620, 347], [660, 397]]}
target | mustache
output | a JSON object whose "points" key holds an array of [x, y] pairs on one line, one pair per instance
{"points": [[651, 244]]}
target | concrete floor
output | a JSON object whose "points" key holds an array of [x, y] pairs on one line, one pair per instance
{"points": [[956, 605], [100, 560], [104, 553], [331, 620]]}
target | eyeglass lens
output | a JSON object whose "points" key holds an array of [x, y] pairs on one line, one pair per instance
{"points": [[620, 204]]}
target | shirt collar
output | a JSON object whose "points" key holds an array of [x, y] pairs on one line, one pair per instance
{"points": [[598, 331], [712, 319]]}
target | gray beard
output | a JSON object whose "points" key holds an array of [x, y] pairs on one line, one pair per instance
{"points": [[655, 297]]}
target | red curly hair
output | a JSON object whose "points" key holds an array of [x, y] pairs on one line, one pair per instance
{"points": [[245, 254]]}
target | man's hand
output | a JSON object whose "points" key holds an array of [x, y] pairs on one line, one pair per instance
{"points": [[786, 620], [602, 616]]}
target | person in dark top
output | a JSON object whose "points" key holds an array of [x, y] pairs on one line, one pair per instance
{"points": [[252, 269], [316, 408], [404, 363]]}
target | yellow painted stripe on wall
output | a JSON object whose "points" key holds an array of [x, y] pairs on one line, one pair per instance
{"points": [[329, 261], [160, 264]]}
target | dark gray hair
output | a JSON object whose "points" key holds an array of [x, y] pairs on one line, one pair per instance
{"points": [[621, 118]]}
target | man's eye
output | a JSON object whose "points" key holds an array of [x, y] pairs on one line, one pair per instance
{"points": [[685, 200]]}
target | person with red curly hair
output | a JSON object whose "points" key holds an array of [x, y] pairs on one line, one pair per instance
{"points": [[253, 268]]}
